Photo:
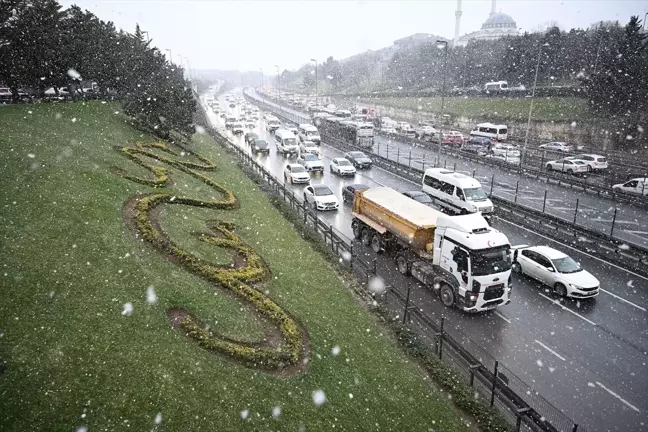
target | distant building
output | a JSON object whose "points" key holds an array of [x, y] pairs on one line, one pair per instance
{"points": [[498, 25]]}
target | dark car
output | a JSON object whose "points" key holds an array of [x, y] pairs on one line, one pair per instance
{"points": [[250, 137], [260, 146], [358, 159], [348, 192], [421, 197], [477, 145]]}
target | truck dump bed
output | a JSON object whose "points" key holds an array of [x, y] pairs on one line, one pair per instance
{"points": [[385, 209]]}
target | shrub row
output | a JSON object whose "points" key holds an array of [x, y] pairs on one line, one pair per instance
{"points": [[234, 279]]}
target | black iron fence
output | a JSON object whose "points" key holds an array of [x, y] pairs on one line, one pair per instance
{"points": [[491, 380]]}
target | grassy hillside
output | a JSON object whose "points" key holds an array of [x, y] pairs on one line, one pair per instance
{"points": [[70, 264]]}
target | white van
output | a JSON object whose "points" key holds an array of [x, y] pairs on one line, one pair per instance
{"points": [[308, 132], [457, 192], [286, 142], [272, 123], [496, 86], [490, 130]]}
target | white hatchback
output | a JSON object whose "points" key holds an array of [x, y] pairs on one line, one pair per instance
{"points": [[321, 197], [555, 269], [593, 161]]}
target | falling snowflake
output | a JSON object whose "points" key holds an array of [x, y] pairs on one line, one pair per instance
{"points": [[74, 120], [74, 74], [631, 283], [319, 397], [376, 285], [128, 309], [539, 363], [158, 418], [244, 414], [573, 124], [200, 129], [151, 297], [31, 155], [336, 350], [276, 411]]}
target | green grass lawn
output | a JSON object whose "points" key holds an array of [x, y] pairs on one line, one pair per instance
{"points": [[544, 109], [69, 264]]}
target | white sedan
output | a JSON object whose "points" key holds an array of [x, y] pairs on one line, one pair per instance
{"points": [[569, 166], [505, 150], [557, 146], [342, 167], [321, 197], [295, 174], [556, 270], [637, 186]]}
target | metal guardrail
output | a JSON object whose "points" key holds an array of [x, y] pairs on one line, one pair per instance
{"points": [[518, 402], [603, 244]]}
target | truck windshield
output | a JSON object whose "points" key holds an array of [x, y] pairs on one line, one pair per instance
{"points": [[475, 194], [489, 261]]}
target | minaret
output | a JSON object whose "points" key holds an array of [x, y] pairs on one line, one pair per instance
{"points": [[457, 23], [493, 8]]}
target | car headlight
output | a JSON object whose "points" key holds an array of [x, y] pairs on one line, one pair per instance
{"points": [[574, 286], [473, 298]]}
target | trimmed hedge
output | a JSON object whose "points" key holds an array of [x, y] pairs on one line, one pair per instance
{"points": [[236, 279]]}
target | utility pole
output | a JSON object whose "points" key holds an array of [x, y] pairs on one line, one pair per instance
{"points": [[316, 92], [261, 70], [442, 45], [278, 87], [535, 82]]}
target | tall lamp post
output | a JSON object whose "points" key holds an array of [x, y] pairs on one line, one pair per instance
{"points": [[278, 87], [441, 44], [170, 56], [535, 81], [316, 92], [261, 70]]}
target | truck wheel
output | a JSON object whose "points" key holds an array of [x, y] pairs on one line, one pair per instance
{"points": [[366, 236], [357, 229], [447, 296], [402, 264], [376, 243]]}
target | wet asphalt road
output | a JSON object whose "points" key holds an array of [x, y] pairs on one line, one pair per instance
{"points": [[587, 358], [594, 212]]}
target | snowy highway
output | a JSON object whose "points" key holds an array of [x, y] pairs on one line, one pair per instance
{"points": [[587, 358], [594, 212]]}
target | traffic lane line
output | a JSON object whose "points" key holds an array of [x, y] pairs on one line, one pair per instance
{"points": [[557, 303], [550, 350], [622, 299], [503, 317], [625, 402]]}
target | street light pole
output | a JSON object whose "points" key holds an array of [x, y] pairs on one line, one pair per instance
{"points": [[441, 44], [170, 56], [278, 87], [316, 92], [261, 70], [535, 81]]}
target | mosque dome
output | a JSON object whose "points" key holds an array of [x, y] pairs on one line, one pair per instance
{"points": [[499, 20]]}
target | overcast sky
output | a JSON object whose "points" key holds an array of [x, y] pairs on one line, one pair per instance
{"points": [[248, 35]]}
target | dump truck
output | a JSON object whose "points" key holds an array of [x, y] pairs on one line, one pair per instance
{"points": [[462, 258]]}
